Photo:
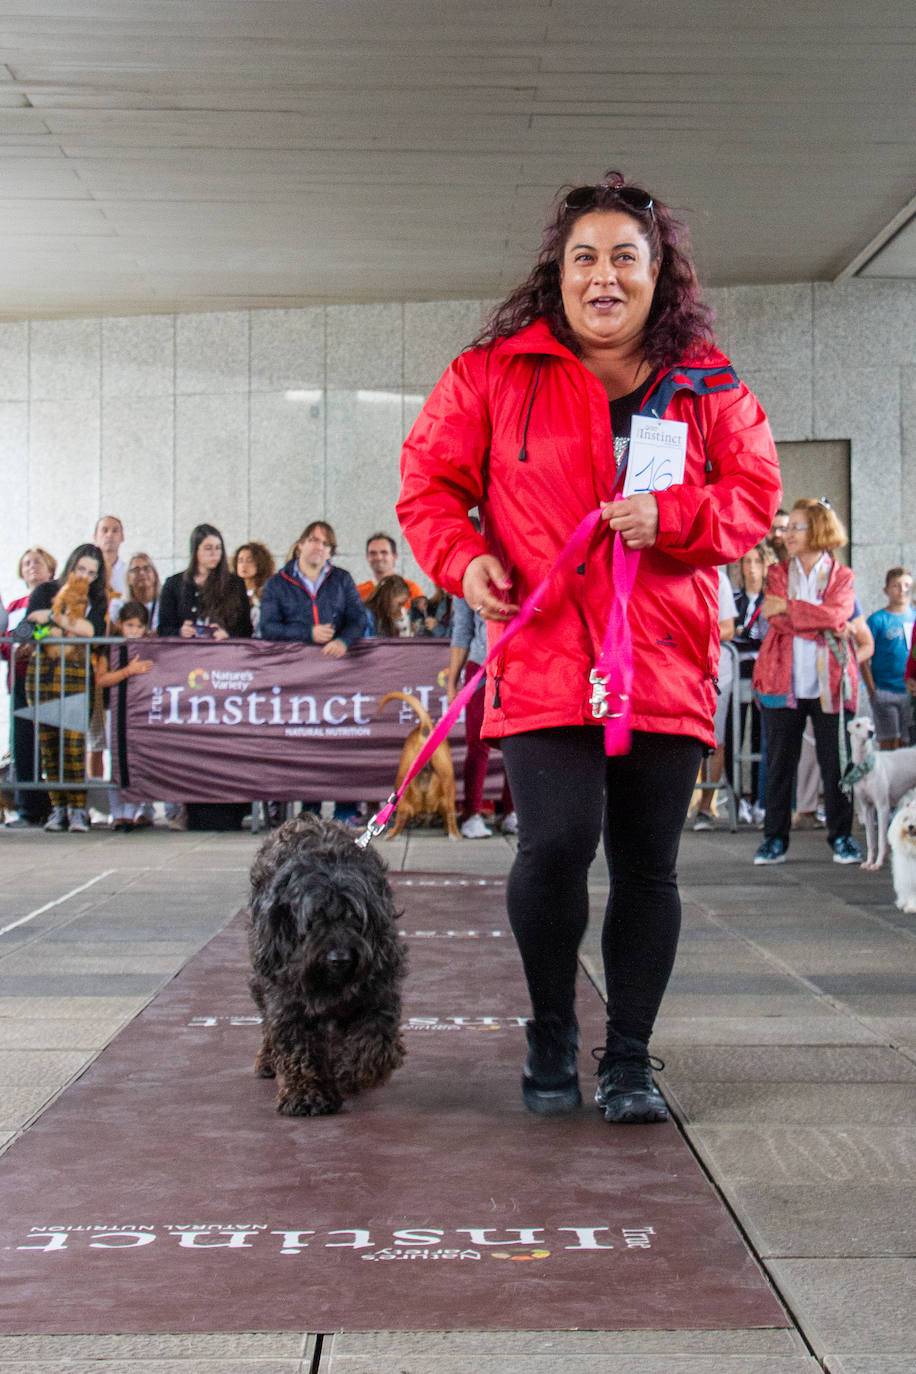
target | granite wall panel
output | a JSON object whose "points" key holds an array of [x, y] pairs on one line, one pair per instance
{"points": [[262, 420]]}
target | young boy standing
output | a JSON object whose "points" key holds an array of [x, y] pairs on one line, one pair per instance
{"points": [[892, 628], [132, 623]]}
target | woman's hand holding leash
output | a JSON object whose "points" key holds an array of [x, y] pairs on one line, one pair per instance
{"points": [[636, 519], [484, 579]]}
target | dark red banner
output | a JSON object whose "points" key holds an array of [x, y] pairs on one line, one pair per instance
{"points": [[244, 720]]}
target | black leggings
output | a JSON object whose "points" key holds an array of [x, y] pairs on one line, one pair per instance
{"points": [[565, 792]]}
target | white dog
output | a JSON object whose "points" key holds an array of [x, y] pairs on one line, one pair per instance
{"points": [[880, 778], [902, 837]]}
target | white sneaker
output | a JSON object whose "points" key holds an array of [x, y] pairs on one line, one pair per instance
{"points": [[79, 821], [758, 813], [704, 820], [57, 819], [745, 815], [474, 829], [510, 824]]}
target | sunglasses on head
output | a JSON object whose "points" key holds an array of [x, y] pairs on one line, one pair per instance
{"points": [[630, 196]]}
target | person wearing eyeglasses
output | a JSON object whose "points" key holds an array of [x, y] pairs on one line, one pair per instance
{"points": [[807, 669], [144, 585], [606, 344]]}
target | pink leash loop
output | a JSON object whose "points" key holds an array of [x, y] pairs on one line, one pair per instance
{"points": [[623, 670]]}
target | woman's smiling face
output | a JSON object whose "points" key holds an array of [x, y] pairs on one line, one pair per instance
{"points": [[607, 280]]}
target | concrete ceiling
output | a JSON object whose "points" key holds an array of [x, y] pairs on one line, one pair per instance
{"points": [[160, 155]]}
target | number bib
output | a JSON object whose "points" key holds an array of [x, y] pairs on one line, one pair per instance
{"points": [[656, 455]]}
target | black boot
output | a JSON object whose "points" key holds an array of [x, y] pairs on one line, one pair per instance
{"points": [[550, 1082], [625, 1092]]}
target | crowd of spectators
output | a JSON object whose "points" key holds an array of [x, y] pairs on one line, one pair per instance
{"points": [[808, 660], [309, 599], [788, 608]]}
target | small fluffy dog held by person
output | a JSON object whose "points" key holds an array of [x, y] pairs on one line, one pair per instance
{"points": [[327, 963], [432, 791], [71, 602], [902, 839], [879, 780]]}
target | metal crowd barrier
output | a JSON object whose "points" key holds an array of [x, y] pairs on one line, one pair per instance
{"points": [[64, 711], [741, 757]]}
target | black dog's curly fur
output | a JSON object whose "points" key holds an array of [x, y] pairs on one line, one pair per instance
{"points": [[327, 966]]}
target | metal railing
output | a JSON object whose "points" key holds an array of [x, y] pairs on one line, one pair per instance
{"points": [[741, 756], [61, 710]]}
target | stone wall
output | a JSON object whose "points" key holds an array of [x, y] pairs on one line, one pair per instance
{"points": [[258, 421]]}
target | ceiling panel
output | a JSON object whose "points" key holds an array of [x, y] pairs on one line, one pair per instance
{"points": [[160, 155]]}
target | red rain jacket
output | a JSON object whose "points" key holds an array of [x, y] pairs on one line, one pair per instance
{"points": [[522, 431], [807, 620]]}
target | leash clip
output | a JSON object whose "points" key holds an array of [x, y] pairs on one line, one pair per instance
{"points": [[598, 699], [375, 825]]}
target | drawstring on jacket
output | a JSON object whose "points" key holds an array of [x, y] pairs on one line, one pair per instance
{"points": [[523, 452]]}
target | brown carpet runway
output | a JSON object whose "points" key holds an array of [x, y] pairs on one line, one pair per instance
{"points": [[163, 1193]]}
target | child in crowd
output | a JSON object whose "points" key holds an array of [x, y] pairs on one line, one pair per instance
{"points": [[387, 606], [132, 623], [254, 564], [883, 673]]}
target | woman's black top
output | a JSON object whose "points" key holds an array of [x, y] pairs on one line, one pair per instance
{"points": [[181, 600]]}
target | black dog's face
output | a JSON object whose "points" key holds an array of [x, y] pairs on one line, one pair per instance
{"points": [[322, 922]]}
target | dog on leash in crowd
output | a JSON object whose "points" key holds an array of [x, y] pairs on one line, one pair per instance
{"points": [[432, 791], [887, 774], [902, 839], [327, 966]]}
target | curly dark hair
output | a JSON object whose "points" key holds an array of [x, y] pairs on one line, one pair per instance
{"points": [[679, 323], [387, 601], [263, 562]]}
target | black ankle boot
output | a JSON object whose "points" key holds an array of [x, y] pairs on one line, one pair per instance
{"points": [[550, 1082], [625, 1092]]}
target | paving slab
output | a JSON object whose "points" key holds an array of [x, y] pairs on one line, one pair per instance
{"points": [[78, 985], [809, 1154], [488, 1349], [829, 1221], [82, 960], [858, 1307], [899, 1031], [133, 1366], [19, 1105], [792, 1104], [22, 1068], [869, 1364], [820, 1029], [240, 1346], [458, 1355], [789, 1063], [57, 1033]]}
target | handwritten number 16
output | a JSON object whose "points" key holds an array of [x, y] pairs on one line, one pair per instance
{"points": [[657, 475]]}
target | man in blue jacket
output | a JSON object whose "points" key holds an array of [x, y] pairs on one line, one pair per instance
{"points": [[311, 600]]}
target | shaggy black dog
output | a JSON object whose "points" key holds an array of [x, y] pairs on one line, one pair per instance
{"points": [[328, 964]]}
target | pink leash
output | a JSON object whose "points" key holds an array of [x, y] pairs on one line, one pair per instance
{"points": [[611, 680]]}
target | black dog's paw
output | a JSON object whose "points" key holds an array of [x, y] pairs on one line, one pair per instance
{"points": [[264, 1065], [312, 1104]]}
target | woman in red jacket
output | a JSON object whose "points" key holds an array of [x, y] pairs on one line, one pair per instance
{"points": [[806, 667], [532, 426]]}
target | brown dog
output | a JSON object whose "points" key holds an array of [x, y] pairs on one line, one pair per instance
{"points": [[72, 600], [432, 791]]}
